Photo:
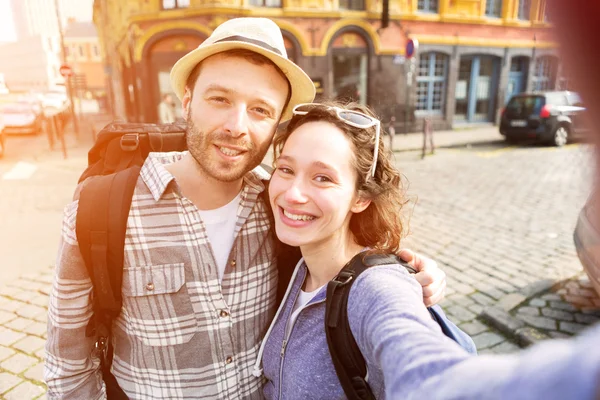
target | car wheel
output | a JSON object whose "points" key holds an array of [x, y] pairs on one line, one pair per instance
{"points": [[561, 135]]}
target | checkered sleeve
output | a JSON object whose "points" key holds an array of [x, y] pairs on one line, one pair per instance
{"points": [[71, 371]]}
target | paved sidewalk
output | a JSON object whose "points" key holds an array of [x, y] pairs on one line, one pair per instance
{"points": [[23, 316], [551, 310], [449, 138]]}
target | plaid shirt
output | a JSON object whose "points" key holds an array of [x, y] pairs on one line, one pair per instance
{"points": [[181, 333]]}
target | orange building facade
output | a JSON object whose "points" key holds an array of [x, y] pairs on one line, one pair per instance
{"points": [[473, 54]]}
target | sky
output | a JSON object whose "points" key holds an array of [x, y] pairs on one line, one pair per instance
{"points": [[7, 30]]}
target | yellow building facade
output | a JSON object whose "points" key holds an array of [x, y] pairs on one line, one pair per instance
{"points": [[472, 55]]}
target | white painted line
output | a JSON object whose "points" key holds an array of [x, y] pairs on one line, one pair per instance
{"points": [[22, 170]]}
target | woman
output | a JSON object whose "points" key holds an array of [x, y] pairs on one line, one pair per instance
{"points": [[335, 193]]}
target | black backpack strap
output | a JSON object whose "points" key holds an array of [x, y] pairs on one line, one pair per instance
{"points": [[101, 225], [349, 363]]}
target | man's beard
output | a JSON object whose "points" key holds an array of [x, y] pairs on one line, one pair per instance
{"points": [[199, 145]]}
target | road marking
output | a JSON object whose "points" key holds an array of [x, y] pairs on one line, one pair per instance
{"points": [[494, 153], [22, 170]]}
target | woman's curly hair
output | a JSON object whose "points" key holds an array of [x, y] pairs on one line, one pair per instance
{"points": [[380, 226]]}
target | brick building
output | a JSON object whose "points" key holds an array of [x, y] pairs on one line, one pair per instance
{"points": [[473, 53]]}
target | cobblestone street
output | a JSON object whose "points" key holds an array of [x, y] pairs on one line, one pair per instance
{"points": [[498, 219]]}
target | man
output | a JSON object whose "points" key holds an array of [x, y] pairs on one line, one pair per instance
{"points": [[166, 110], [199, 279]]}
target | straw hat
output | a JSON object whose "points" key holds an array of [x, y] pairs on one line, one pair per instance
{"points": [[260, 35]]}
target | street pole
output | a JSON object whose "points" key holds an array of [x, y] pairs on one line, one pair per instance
{"points": [[410, 68], [68, 78]]}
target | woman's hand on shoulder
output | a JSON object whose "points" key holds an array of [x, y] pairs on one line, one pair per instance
{"points": [[429, 275]]}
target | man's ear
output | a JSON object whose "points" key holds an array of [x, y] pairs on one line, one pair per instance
{"points": [[360, 205], [186, 103]]}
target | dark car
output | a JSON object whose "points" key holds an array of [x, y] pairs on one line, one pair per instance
{"points": [[549, 117], [2, 138]]}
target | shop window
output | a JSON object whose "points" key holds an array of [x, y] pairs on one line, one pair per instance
{"points": [[265, 3], [427, 6], [544, 74], [493, 8], [524, 8], [171, 4], [431, 82], [352, 5]]}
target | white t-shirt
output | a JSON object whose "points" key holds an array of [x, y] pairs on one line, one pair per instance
{"points": [[301, 302], [220, 227]]}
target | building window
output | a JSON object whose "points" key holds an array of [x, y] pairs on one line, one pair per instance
{"points": [[431, 82], [81, 51], [96, 51], [524, 8], [265, 3], [352, 5], [171, 4], [493, 8], [544, 74], [427, 6]]}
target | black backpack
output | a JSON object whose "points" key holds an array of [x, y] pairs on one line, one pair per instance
{"points": [[349, 363], [105, 194]]}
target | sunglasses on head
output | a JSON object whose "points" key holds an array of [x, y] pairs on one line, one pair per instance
{"points": [[352, 118]]}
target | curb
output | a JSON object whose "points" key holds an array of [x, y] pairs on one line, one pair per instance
{"points": [[499, 316], [448, 145]]}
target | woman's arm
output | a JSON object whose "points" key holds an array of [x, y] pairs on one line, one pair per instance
{"points": [[393, 329]]}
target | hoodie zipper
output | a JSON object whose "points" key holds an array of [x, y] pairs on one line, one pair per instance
{"points": [[286, 340]]}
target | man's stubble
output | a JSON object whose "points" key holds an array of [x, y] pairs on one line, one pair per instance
{"points": [[199, 145]]}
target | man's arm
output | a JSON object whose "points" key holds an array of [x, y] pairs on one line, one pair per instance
{"points": [[429, 275], [70, 370]]}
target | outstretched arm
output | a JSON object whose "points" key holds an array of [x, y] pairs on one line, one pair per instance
{"points": [[393, 331]]}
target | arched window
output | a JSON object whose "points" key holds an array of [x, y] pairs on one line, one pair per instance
{"points": [[350, 65], [431, 82], [544, 74]]}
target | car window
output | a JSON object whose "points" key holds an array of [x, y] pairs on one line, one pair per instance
{"points": [[526, 104], [575, 100], [556, 99]]}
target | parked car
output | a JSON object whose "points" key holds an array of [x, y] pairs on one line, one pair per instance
{"points": [[550, 117], [55, 102], [587, 239], [34, 100], [2, 137], [21, 118]]}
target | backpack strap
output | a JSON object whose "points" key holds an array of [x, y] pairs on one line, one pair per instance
{"points": [[349, 363], [101, 225]]}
